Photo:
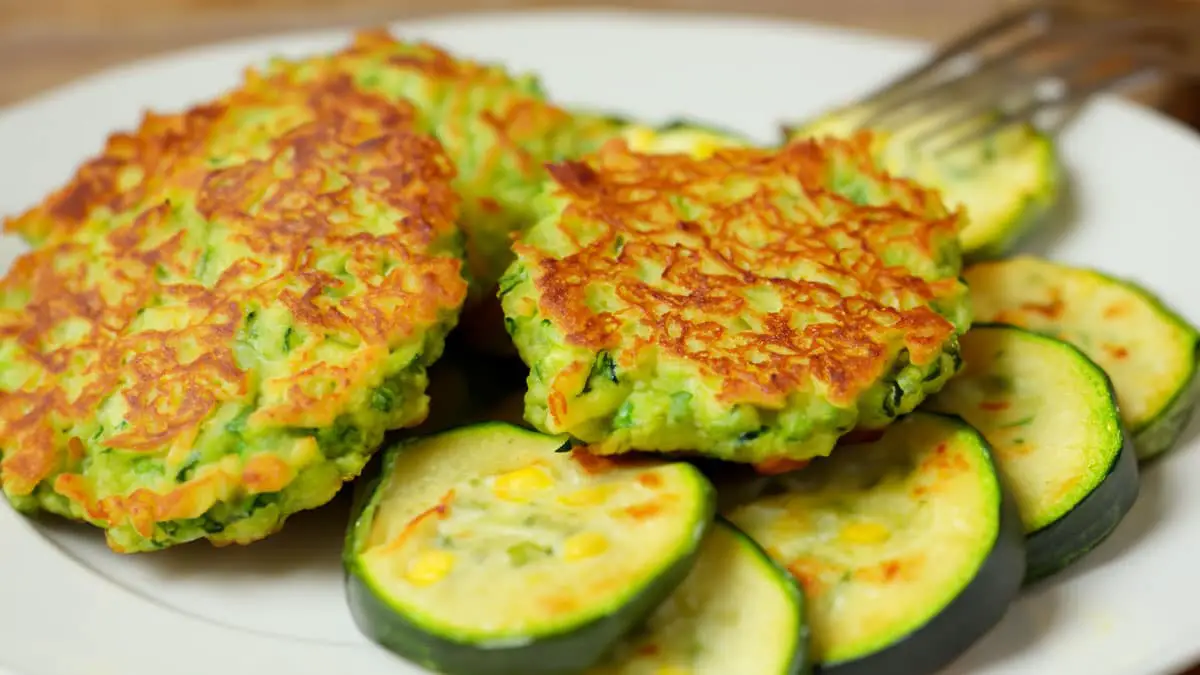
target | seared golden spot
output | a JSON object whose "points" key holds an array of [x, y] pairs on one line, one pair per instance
{"points": [[752, 305], [719, 226], [222, 300]]}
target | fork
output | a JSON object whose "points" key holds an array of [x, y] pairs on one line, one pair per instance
{"points": [[1035, 64]]}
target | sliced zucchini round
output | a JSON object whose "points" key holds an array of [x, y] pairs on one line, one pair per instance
{"points": [[1148, 350], [737, 612], [681, 136], [483, 551], [1008, 181], [908, 548], [1051, 417]]}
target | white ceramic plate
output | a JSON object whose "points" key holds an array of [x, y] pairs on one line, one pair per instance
{"points": [[70, 607]]}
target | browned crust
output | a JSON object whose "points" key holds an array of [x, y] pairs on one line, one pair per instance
{"points": [[279, 199], [619, 196]]}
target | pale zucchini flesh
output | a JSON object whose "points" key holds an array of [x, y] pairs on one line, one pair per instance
{"points": [[908, 547], [737, 612], [1051, 418], [682, 137], [483, 550], [1007, 182], [1148, 351]]}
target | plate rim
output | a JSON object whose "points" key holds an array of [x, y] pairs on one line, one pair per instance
{"points": [[63, 93]]}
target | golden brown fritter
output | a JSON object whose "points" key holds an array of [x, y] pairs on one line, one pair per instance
{"points": [[228, 308], [754, 305]]}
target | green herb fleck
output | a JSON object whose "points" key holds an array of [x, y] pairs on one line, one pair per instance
{"points": [[747, 436], [624, 417], [524, 553], [290, 340], [238, 424], [383, 399], [604, 368], [1017, 423], [188, 467]]}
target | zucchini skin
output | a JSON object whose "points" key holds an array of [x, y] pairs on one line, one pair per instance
{"points": [[1063, 542], [1037, 208], [801, 663], [1161, 433], [1057, 545], [565, 653], [968, 617]]}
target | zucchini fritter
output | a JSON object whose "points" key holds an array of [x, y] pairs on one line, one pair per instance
{"points": [[227, 310], [497, 127], [753, 306]]}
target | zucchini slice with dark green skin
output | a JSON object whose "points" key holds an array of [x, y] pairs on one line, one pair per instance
{"points": [[909, 548], [1008, 182], [737, 612], [486, 551], [1149, 351], [1051, 417]]}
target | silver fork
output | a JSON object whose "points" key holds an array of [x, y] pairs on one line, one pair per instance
{"points": [[1035, 64]]}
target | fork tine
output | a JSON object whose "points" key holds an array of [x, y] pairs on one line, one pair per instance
{"points": [[915, 102], [965, 109], [963, 45], [1027, 113], [922, 97]]}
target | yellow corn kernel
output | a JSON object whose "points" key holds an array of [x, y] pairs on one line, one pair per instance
{"points": [[672, 670], [865, 533], [429, 567], [639, 138], [518, 485], [584, 545], [591, 495]]}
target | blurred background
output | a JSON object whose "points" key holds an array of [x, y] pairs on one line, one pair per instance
{"points": [[47, 42]]}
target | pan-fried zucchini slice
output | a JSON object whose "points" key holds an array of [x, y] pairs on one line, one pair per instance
{"points": [[737, 612], [1007, 182], [1147, 349], [681, 136], [908, 547], [1051, 418], [482, 551]]}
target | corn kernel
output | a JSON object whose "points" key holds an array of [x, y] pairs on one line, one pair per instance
{"points": [[429, 567], [639, 139], [672, 670], [865, 533], [520, 484], [584, 545], [591, 495]]}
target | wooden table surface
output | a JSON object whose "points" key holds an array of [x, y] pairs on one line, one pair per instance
{"points": [[44, 43]]}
